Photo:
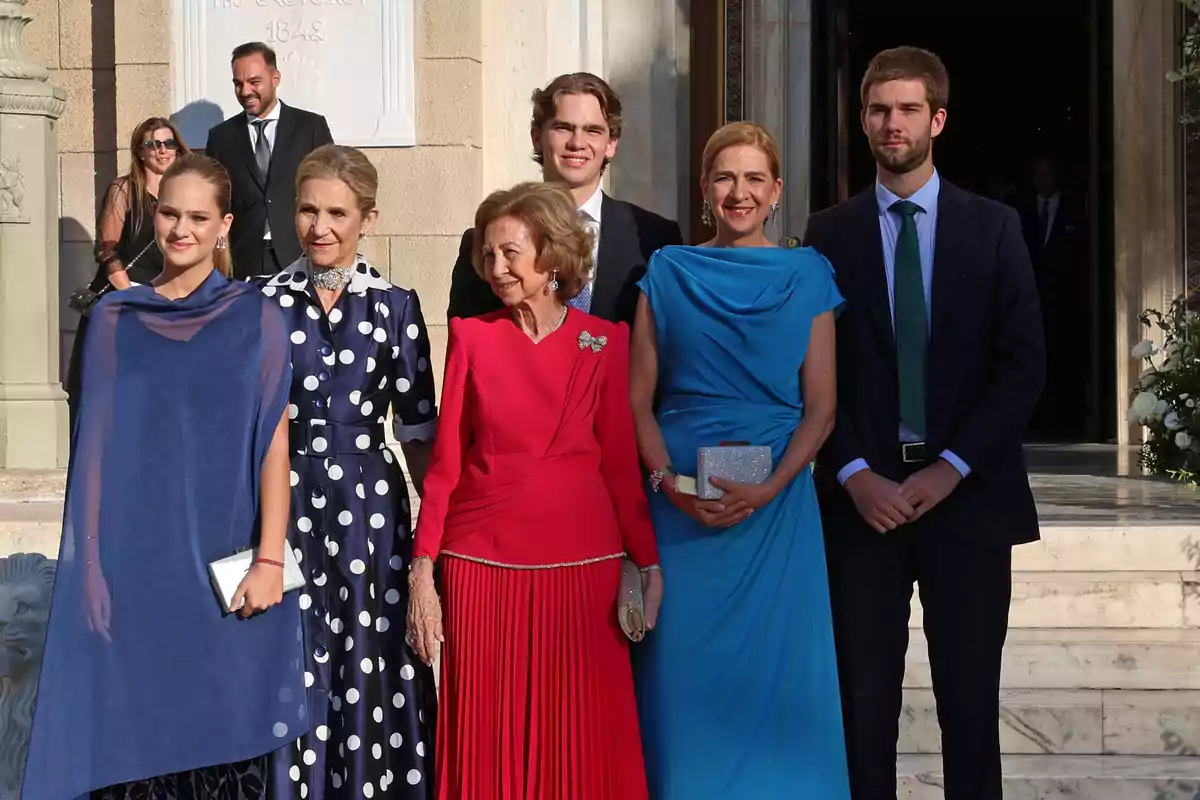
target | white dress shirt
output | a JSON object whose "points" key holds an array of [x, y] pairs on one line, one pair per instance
{"points": [[272, 119]]}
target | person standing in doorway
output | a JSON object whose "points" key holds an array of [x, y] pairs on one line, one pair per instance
{"points": [[940, 364], [262, 149], [575, 129]]}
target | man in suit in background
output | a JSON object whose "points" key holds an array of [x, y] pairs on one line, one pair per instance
{"points": [[575, 130], [1055, 224], [940, 363], [262, 149]]}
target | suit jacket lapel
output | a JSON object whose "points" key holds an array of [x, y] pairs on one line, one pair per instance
{"points": [[873, 278], [241, 141], [285, 131], [952, 226], [618, 253]]}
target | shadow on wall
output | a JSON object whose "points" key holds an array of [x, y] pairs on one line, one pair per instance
{"points": [[76, 267], [26, 580], [194, 121]]}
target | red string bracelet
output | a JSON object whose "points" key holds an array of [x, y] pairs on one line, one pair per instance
{"points": [[270, 561]]}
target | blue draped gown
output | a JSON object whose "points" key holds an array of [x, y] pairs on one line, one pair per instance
{"points": [[738, 687], [180, 401]]}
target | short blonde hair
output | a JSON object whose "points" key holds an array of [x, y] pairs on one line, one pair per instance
{"points": [[548, 211], [345, 164], [742, 133]]}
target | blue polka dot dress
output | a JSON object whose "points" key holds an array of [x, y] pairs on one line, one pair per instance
{"points": [[373, 702]]}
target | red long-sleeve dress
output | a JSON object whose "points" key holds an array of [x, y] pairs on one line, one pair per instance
{"points": [[533, 494]]}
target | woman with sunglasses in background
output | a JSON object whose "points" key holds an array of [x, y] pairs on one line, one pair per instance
{"points": [[125, 251]]}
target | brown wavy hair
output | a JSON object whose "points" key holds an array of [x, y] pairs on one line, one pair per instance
{"points": [[545, 104], [136, 176], [907, 64], [210, 170], [548, 211]]}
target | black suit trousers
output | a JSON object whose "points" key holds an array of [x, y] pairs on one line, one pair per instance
{"points": [[965, 590]]}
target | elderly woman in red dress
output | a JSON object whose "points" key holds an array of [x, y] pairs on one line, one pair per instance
{"points": [[533, 495]]}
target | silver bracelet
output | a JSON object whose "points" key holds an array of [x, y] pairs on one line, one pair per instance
{"points": [[651, 568]]}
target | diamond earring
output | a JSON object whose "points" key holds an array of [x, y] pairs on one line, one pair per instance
{"points": [[774, 211], [554, 281], [221, 243], [706, 215]]}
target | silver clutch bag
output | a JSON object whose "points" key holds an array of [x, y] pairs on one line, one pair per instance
{"points": [[227, 573], [737, 463], [631, 611]]}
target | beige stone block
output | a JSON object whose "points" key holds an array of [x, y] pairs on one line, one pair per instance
{"points": [[142, 31], [375, 250], [40, 38], [77, 196], [1152, 723], [75, 34], [75, 127], [449, 101], [450, 29], [426, 190], [143, 90], [425, 264]]}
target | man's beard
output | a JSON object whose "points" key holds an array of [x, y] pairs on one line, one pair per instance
{"points": [[900, 163]]}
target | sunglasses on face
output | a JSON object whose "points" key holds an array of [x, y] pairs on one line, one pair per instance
{"points": [[156, 144]]}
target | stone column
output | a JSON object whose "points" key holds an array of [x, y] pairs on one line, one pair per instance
{"points": [[33, 410], [1147, 177]]}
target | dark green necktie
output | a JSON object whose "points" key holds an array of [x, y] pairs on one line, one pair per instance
{"points": [[910, 319]]}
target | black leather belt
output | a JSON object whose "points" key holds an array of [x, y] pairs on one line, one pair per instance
{"points": [[914, 453], [320, 438]]}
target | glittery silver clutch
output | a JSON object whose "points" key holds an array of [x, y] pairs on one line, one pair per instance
{"points": [[737, 463], [631, 609]]}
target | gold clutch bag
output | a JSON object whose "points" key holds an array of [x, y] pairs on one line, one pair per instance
{"points": [[631, 610]]}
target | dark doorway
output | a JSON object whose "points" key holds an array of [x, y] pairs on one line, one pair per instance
{"points": [[1029, 83]]}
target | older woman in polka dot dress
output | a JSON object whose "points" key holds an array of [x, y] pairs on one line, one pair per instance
{"points": [[359, 346]]}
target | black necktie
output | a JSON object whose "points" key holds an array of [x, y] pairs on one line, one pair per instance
{"points": [[262, 149], [911, 318]]}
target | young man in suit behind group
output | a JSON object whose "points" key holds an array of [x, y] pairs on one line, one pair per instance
{"points": [[940, 364], [262, 149], [575, 130]]}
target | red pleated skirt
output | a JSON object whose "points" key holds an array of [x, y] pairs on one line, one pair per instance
{"points": [[536, 688]]}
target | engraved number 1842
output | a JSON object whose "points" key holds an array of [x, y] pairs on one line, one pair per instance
{"points": [[281, 31]]}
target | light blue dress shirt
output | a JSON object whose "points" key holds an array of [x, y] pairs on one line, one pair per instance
{"points": [[889, 229]]}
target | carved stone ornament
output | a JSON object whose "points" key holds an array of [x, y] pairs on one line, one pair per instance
{"points": [[23, 84], [26, 581], [12, 190]]}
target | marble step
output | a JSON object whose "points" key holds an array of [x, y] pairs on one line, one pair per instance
{"points": [[1117, 547], [30, 527], [1072, 722], [1100, 600], [1087, 658], [1056, 777]]}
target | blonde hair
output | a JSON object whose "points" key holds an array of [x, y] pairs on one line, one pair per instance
{"points": [[210, 170], [346, 164], [548, 211], [734, 134]]}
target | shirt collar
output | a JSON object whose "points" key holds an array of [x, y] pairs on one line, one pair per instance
{"points": [[297, 276], [926, 197], [593, 204], [270, 116]]}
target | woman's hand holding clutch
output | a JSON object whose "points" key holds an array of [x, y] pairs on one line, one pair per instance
{"points": [[424, 612], [652, 595], [739, 502], [259, 590]]}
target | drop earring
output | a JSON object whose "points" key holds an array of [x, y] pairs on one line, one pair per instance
{"points": [[706, 215], [221, 243], [554, 281], [775, 211]]}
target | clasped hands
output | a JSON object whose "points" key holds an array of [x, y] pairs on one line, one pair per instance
{"points": [[886, 505], [738, 503]]}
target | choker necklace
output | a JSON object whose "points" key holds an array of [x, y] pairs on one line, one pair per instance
{"points": [[333, 278]]}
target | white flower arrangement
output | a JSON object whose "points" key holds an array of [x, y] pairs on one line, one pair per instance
{"points": [[1164, 399]]}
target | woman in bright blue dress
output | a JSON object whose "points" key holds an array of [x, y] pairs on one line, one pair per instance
{"points": [[738, 687]]}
